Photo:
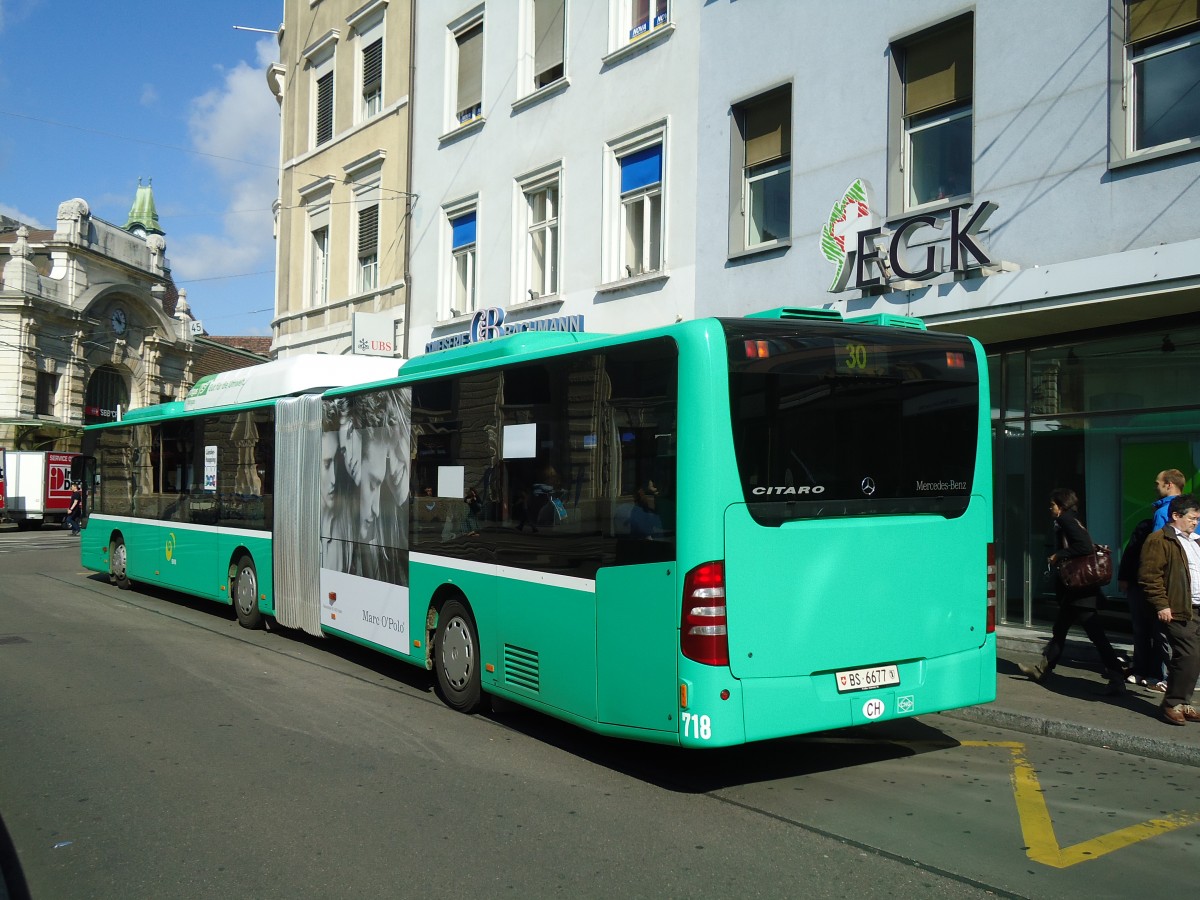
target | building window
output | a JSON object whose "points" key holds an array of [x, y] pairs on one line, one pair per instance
{"points": [[323, 110], [319, 267], [468, 86], [462, 294], [539, 206], [549, 41], [1160, 103], [762, 160], [47, 393], [372, 78], [368, 248], [320, 57], [935, 144], [641, 211], [638, 18]]}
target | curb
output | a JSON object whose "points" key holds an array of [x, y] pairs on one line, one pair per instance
{"points": [[1121, 741]]}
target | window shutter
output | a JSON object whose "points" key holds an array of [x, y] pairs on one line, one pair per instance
{"points": [[470, 68], [1150, 18], [641, 169], [768, 129], [462, 231], [373, 67], [937, 68], [324, 108], [368, 230], [548, 35]]}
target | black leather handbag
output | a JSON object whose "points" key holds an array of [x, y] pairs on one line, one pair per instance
{"points": [[1089, 571]]}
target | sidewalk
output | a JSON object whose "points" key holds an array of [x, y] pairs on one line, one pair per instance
{"points": [[1070, 704]]}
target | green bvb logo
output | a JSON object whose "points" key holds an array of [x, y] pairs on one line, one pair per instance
{"points": [[849, 216], [200, 388]]}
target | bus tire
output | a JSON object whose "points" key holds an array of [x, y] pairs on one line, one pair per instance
{"points": [[243, 590], [118, 564], [456, 658]]}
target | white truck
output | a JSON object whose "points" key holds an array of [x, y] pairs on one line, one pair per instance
{"points": [[37, 486]]}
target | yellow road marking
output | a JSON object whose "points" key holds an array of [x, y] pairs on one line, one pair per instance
{"points": [[1038, 829]]}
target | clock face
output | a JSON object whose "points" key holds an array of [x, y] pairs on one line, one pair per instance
{"points": [[118, 321]]}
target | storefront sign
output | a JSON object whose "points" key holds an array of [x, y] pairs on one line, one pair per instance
{"points": [[374, 334], [868, 255], [488, 324]]}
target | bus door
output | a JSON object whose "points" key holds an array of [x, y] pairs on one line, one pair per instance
{"points": [[637, 646]]}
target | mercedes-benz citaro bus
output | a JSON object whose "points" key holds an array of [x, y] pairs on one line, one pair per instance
{"points": [[715, 532]]}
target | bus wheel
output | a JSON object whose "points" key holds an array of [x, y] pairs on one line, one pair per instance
{"points": [[456, 658], [244, 590], [118, 565]]}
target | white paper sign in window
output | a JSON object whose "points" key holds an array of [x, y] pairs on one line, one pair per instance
{"points": [[520, 441], [451, 480]]}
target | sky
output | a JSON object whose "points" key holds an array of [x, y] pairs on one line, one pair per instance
{"points": [[94, 96]]}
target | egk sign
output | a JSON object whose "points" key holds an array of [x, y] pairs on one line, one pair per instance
{"points": [[867, 255]]}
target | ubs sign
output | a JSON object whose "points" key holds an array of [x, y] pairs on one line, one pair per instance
{"points": [[866, 254]]}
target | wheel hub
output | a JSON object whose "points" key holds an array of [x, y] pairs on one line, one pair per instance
{"points": [[457, 652]]}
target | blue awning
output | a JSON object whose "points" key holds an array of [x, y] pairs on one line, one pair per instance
{"points": [[641, 168], [463, 230]]}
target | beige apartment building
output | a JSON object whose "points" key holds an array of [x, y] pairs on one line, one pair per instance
{"points": [[341, 216]]}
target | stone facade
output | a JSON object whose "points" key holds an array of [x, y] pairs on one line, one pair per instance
{"points": [[83, 327]]}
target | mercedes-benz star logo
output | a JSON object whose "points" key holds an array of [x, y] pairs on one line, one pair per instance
{"points": [[868, 485]]}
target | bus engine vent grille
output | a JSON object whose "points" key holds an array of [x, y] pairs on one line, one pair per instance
{"points": [[521, 668]]}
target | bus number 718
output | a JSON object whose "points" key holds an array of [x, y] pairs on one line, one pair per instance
{"points": [[696, 726]]}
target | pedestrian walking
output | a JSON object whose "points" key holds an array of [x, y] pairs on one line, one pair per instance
{"points": [[1170, 576], [1075, 606], [75, 510]]}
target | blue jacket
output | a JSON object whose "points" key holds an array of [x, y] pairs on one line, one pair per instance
{"points": [[1162, 513]]}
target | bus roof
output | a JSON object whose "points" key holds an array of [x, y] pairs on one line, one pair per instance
{"points": [[304, 374], [509, 346]]}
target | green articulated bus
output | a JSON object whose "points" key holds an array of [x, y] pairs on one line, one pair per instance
{"points": [[720, 531]]}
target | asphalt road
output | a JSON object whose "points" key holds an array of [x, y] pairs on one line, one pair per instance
{"points": [[150, 747]]}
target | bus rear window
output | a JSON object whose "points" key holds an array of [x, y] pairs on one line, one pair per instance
{"points": [[844, 420]]}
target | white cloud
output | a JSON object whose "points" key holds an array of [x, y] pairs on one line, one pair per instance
{"points": [[13, 213], [237, 124], [149, 95], [14, 11]]}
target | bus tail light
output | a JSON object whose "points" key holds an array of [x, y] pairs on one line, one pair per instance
{"points": [[991, 588], [703, 631]]}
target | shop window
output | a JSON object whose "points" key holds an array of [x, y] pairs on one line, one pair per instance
{"points": [[1157, 67], [931, 138]]}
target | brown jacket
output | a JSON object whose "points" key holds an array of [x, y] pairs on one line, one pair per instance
{"points": [[1164, 576]]}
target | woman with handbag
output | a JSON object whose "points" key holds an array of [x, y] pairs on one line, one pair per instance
{"points": [[1075, 604]]}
